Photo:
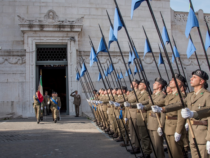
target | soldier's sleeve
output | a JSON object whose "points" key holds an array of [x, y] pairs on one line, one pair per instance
{"points": [[175, 106], [145, 102], [202, 113]]}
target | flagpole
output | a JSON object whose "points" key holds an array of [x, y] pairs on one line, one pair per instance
{"points": [[109, 87], [173, 75], [134, 93], [196, 54], [143, 75], [107, 77], [135, 62], [164, 63], [111, 76], [199, 32], [207, 25], [123, 77], [181, 64], [117, 80], [152, 52], [170, 43]]}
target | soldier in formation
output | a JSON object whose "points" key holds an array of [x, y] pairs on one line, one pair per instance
{"points": [[132, 117]]}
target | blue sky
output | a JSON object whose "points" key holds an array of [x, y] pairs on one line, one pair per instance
{"points": [[183, 5]]}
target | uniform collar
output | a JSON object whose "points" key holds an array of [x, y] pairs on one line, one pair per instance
{"points": [[198, 91]]}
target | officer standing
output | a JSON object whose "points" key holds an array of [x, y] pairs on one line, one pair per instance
{"points": [[77, 101], [54, 104], [58, 107], [46, 101], [37, 107]]}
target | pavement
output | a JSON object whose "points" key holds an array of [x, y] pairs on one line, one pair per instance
{"points": [[74, 137]]}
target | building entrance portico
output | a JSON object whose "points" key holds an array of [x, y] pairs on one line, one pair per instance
{"points": [[49, 31]]}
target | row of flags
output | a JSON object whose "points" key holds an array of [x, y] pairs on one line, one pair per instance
{"points": [[118, 25]]}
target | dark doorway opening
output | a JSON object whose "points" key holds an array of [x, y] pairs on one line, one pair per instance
{"points": [[54, 79]]}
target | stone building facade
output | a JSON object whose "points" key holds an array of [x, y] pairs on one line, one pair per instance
{"points": [[27, 24]]}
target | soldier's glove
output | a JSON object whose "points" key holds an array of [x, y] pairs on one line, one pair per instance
{"points": [[111, 102], [177, 136], [125, 120], [156, 109], [159, 130], [116, 104], [48, 102], [208, 146], [186, 126], [140, 106], [126, 104], [187, 113]]}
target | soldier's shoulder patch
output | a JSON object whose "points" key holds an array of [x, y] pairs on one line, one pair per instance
{"points": [[202, 93]]}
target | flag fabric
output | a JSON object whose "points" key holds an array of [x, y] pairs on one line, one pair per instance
{"points": [[207, 44], [165, 36], [130, 58], [102, 46], [128, 73], [147, 48], [111, 36], [161, 61], [192, 21], [190, 49], [83, 70], [99, 76], [92, 57], [135, 4], [176, 53], [118, 76], [111, 68], [107, 70], [77, 76], [105, 73], [121, 75], [117, 23], [40, 90]]}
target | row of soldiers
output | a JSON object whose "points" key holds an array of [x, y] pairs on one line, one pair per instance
{"points": [[53, 103], [123, 115]]}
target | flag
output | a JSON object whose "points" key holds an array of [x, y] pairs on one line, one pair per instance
{"points": [[102, 46], [207, 44], [133, 57], [121, 75], [111, 36], [126, 73], [110, 68], [190, 49], [108, 72], [99, 76], [160, 60], [83, 70], [40, 90], [92, 57], [176, 54], [117, 23], [165, 36], [129, 72], [147, 48], [118, 76], [135, 4], [105, 73], [77, 76], [192, 21], [130, 58]]}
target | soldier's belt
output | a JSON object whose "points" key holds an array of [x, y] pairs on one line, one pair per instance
{"points": [[138, 111], [132, 107], [171, 118], [153, 114], [204, 123], [108, 106]]}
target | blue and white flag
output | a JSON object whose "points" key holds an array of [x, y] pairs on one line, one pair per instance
{"points": [[165, 36], [99, 76], [207, 44], [77, 76], [111, 36], [130, 58], [117, 23], [147, 48], [111, 68], [93, 57], [160, 61], [192, 21], [190, 49], [176, 53], [102, 46], [83, 70]]}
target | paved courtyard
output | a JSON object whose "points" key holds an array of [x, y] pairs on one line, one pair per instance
{"points": [[69, 138]]}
